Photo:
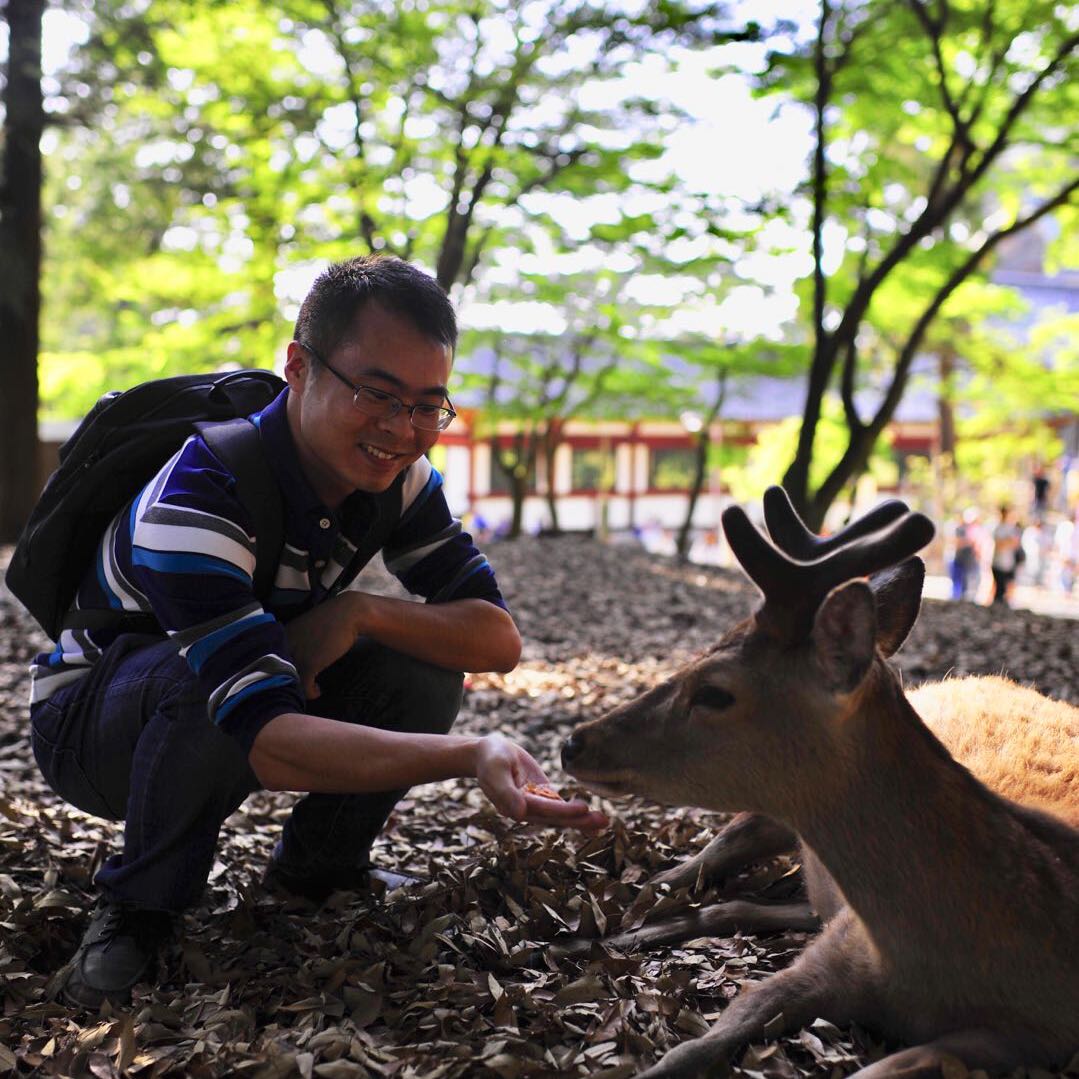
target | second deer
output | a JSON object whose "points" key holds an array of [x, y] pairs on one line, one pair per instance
{"points": [[950, 903]]}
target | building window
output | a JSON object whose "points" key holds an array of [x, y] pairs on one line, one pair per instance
{"points": [[592, 470], [672, 469]]}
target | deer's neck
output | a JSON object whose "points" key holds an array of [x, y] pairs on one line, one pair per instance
{"points": [[906, 830]]}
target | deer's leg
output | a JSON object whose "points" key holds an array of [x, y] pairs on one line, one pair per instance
{"points": [[715, 920], [786, 1001], [749, 837], [976, 1049]]}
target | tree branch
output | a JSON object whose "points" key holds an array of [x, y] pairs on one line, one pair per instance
{"points": [[1018, 107], [934, 28], [956, 278], [367, 225]]}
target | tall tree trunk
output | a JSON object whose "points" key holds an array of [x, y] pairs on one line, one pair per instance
{"points": [[946, 404], [551, 441], [796, 478], [703, 442], [703, 445], [20, 265], [519, 488]]}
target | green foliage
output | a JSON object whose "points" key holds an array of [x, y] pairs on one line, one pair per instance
{"points": [[766, 460], [213, 156], [940, 129]]}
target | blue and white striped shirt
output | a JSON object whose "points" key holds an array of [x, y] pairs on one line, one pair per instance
{"points": [[183, 551]]}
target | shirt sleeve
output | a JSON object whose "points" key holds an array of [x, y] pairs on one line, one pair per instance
{"points": [[193, 558], [429, 552]]}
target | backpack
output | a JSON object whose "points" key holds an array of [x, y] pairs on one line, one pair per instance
{"points": [[115, 451]]}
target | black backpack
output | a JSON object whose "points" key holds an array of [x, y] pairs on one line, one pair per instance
{"points": [[124, 439]]}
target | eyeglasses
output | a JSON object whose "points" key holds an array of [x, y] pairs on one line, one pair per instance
{"points": [[385, 405]]}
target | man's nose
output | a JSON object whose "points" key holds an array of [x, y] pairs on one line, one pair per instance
{"points": [[400, 420]]}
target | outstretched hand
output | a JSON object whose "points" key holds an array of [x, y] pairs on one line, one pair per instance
{"points": [[504, 770]]}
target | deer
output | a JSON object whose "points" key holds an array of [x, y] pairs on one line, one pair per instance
{"points": [[943, 867]]}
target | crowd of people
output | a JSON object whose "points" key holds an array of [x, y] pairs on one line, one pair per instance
{"points": [[989, 553]]}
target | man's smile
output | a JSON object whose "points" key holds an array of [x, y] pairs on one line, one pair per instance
{"points": [[378, 454]]}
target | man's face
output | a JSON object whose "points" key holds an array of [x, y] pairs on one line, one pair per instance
{"points": [[341, 448]]}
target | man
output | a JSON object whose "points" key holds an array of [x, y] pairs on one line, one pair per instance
{"points": [[1007, 552], [343, 695]]}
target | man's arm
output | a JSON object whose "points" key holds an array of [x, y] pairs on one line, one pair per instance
{"points": [[302, 752], [462, 635]]}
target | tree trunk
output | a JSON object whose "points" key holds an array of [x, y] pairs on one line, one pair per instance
{"points": [[945, 404], [20, 267], [704, 441], [519, 488], [796, 478], [551, 442]]}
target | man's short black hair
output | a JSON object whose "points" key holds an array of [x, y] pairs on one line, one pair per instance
{"points": [[343, 289]]}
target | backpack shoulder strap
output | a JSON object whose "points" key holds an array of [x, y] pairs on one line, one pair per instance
{"points": [[238, 444]]}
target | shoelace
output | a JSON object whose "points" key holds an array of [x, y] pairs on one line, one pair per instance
{"points": [[145, 926]]}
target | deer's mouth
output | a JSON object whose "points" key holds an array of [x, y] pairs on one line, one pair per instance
{"points": [[609, 785]]}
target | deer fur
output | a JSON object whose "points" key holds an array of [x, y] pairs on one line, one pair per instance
{"points": [[949, 891]]}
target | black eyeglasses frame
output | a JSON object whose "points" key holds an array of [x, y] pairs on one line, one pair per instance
{"points": [[447, 411]]}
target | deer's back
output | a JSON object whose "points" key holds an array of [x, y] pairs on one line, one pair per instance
{"points": [[1020, 744]]}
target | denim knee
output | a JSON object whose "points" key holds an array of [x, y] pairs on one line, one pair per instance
{"points": [[380, 686], [61, 768]]}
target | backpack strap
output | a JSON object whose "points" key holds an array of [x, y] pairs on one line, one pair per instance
{"points": [[238, 443]]}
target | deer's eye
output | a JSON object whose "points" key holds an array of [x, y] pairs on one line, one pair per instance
{"points": [[711, 697]]}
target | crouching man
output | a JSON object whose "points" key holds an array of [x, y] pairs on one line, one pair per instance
{"points": [[340, 694]]}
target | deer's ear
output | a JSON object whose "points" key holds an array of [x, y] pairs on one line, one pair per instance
{"points": [[844, 633], [898, 592]]}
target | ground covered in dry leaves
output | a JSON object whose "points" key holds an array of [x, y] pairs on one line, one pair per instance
{"points": [[455, 978]]}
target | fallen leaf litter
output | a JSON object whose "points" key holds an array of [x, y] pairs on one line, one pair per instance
{"points": [[457, 977]]}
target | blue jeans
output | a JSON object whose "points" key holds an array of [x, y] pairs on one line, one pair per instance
{"points": [[132, 741]]}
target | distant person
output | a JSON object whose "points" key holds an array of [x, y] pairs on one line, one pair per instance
{"points": [[1038, 551], [315, 688], [1040, 489], [964, 561], [1066, 546], [1006, 547], [706, 549]]}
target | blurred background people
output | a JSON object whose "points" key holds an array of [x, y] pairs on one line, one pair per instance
{"points": [[1006, 556]]}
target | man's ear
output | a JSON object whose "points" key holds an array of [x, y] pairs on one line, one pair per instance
{"points": [[844, 633], [297, 367], [898, 594]]}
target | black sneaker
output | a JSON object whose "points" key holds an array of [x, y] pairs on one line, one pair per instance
{"points": [[317, 886], [118, 949]]}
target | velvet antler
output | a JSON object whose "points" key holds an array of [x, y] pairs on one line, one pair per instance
{"points": [[796, 579]]}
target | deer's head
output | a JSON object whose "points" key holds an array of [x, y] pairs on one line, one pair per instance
{"points": [[773, 696]]}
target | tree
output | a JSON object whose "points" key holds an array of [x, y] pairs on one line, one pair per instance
{"points": [[537, 382], [236, 144], [20, 241], [923, 112]]}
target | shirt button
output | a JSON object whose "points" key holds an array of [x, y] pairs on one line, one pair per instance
{"points": [[325, 523], [320, 563]]}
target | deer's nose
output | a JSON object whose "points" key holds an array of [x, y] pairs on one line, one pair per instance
{"points": [[572, 747]]}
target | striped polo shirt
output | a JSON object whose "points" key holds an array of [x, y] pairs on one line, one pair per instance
{"points": [[183, 550]]}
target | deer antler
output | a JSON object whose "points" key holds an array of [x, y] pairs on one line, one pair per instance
{"points": [[794, 587], [791, 536]]}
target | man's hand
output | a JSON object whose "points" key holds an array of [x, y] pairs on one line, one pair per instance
{"points": [[319, 638], [503, 769]]}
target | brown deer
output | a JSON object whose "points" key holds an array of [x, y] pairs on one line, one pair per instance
{"points": [[950, 903]]}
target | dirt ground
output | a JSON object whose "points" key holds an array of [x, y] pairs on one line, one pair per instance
{"points": [[455, 978]]}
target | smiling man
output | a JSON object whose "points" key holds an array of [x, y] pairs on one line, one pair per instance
{"points": [[314, 688]]}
